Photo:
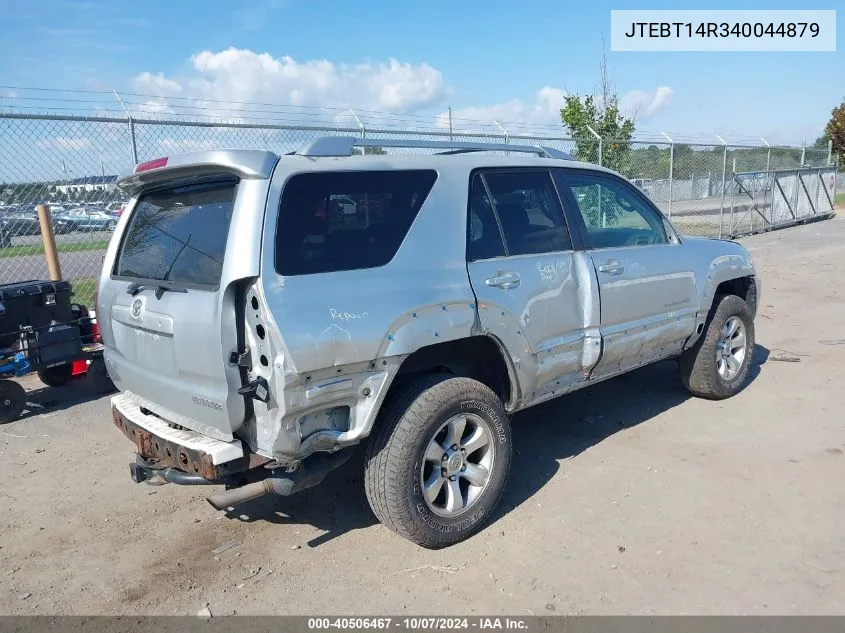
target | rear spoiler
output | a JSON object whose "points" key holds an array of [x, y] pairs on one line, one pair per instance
{"points": [[244, 163]]}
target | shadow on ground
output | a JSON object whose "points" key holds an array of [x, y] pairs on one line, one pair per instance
{"points": [[543, 436], [41, 399]]}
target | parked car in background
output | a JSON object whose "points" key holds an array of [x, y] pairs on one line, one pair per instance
{"points": [[115, 209], [645, 184], [19, 223], [86, 220]]}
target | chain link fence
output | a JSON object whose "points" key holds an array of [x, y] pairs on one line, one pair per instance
{"points": [[72, 162]]}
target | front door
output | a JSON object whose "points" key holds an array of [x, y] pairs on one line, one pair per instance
{"points": [[646, 278]]}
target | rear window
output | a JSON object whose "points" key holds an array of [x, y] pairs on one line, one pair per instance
{"points": [[331, 221], [178, 234]]}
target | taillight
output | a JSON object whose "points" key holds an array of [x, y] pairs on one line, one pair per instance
{"points": [[151, 164], [96, 337]]}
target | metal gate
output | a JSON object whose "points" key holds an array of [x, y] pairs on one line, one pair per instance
{"points": [[765, 200]]}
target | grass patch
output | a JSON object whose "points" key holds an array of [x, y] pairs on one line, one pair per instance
{"points": [[38, 249], [840, 198], [83, 291]]}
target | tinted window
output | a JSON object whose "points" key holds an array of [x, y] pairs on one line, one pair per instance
{"points": [[614, 214], [178, 234], [331, 221], [529, 212], [484, 240]]}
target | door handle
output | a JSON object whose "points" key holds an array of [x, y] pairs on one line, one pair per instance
{"points": [[503, 280], [612, 267]]}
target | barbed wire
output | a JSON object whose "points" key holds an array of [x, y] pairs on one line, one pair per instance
{"points": [[148, 106]]}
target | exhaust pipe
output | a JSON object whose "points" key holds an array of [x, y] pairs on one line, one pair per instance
{"points": [[311, 472]]}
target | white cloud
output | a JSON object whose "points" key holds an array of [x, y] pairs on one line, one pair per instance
{"points": [[66, 143], [544, 111], [642, 105], [174, 146], [157, 84], [246, 76]]}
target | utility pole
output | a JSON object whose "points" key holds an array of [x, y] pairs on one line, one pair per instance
{"points": [[450, 123]]}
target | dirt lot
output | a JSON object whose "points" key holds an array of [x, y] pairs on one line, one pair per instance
{"points": [[628, 497]]}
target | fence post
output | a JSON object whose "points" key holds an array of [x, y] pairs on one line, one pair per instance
{"points": [[49, 239], [829, 153], [132, 144], [768, 153], [671, 171], [594, 133], [803, 150], [504, 132], [724, 182]]}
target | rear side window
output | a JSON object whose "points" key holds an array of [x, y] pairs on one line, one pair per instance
{"points": [[332, 221], [178, 234]]}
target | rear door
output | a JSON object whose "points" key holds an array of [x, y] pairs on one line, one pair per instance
{"points": [[524, 275], [170, 300], [646, 276]]}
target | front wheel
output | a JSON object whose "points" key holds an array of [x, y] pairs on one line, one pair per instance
{"points": [[438, 461], [716, 367]]}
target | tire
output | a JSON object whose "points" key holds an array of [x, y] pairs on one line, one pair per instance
{"points": [[12, 401], [703, 365], [56, 376], [412, 418], [98, 377], [111, 226]]}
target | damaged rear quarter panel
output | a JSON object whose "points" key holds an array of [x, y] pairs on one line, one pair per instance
{"points": [[358, 323]]}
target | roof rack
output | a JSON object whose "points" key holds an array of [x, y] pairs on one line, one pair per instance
{"points": [[343, 146]]}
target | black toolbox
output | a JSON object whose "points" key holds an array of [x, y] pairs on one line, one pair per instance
{"points": [[36, 304]]}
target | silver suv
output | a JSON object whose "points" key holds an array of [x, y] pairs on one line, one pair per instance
{"points": [[264, 313]]}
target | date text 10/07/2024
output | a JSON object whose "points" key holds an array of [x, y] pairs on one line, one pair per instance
{"points": [[421, 623], [722, 29]]}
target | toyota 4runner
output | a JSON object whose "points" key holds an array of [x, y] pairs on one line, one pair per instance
{"points": [[262, 314]]}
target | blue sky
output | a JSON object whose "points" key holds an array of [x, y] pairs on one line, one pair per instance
{"points": [[493, 59]]}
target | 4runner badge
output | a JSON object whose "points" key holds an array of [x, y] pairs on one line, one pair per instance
{"points": [[137, 308]]}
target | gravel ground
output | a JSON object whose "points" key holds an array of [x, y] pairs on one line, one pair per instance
{"points": [[627, 497]]}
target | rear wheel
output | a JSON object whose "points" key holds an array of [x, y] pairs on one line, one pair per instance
{"points": [[716, 367], [12, 400], [56, 376], [438, 461]]}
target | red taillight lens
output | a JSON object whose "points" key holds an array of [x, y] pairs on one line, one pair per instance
{"points": [[151, 164]]}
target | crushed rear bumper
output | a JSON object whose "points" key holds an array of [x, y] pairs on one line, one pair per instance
{"points": [[161, 446]]}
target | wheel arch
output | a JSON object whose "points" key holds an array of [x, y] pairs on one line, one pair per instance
{"points": [[482, 357]]}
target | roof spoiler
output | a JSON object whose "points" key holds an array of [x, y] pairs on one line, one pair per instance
{"points": [[244, 163]]}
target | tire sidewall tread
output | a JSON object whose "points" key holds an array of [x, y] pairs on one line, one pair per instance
{"points": [[698, 364], [405, 426]]}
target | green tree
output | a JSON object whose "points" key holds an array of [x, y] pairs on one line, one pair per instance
{"points": [[821, 142], [835, 131], [580, 114], [369, 151]]}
